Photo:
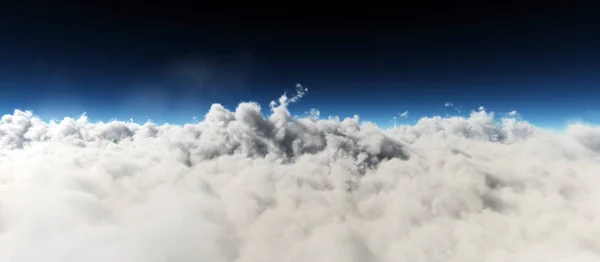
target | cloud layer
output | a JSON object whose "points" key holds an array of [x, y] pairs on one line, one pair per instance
{"points": [[241, 186]]}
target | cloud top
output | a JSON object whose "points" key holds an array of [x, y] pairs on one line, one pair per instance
{"points": [[242, 186]]}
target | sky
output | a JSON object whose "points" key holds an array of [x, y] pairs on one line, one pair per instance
{"points": [[241, 183], [170, 63]]}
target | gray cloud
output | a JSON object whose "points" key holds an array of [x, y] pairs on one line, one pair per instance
{"points": [[239, 186]]}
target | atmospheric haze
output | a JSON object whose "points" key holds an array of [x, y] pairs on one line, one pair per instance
{"points": [[245, 187]]}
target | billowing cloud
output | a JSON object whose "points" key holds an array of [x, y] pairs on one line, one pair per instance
{"points": [[239, 186]]}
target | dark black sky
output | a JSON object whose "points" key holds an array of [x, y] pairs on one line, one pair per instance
{"points": [[302, 36], [221, 52]]}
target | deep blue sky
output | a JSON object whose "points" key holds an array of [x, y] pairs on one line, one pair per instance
{"points": [[169, 63]]}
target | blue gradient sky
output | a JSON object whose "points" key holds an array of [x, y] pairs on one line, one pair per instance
{"points": [[131, 62]]}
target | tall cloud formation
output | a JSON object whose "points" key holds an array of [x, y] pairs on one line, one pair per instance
{"points": [[244, 187]]}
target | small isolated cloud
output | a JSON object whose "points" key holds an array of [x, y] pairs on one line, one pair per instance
{"points": [[448, 104], [481, 108], [314, 113], [404, 115], [241, 186], [512, 113]]}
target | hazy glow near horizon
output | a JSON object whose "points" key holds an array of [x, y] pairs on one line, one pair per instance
{"points": [[241, 186]]}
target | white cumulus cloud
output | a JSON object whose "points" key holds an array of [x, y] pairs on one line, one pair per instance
{"points": [[242, 187]]}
